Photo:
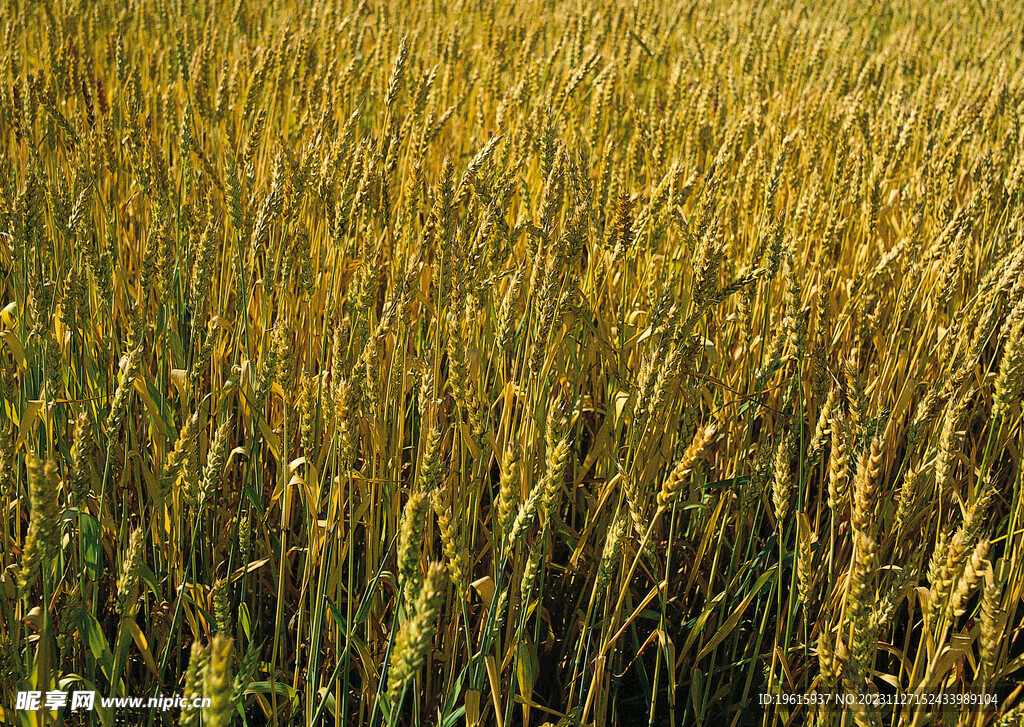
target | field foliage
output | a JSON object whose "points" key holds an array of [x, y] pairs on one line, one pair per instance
{"points": [[512, 363]]}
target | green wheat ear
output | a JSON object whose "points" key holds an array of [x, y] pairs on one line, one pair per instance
{"points": [[218, 682], [416, 634], [42, 540]]}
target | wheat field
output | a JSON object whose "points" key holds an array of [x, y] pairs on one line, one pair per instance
{"points": [[514, 364]]}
